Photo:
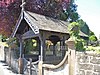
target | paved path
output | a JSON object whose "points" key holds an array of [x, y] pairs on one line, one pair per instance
{"points": [[1, 70], [5, 70]]}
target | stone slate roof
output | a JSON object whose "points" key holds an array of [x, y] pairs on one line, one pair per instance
{"points": [[47, 23], [39, 22]]}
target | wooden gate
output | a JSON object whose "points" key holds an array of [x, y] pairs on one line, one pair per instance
{"points": [[30, 68]]}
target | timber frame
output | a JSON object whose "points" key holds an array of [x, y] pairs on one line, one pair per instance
{"points": [[32, 25]]}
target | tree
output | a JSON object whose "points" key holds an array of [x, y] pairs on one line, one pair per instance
{"points": [[74, 29], [91, 33], [7, 18], [92, 37], [71, 13], [58, 9], [84, 27]]}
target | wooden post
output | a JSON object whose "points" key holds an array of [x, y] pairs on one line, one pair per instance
{"points": [[39, 46], [43, 49], [63, 46], [21, 45], [42, 54], [54, 48], [40, 67], [30, 69], [71, 57], [9, 56], [20, 64], [21, 60]]}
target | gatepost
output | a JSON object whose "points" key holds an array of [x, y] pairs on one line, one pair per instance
{"points": [[72, 55]]}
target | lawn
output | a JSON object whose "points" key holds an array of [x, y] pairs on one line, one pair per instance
{"points": [[93, 49]]}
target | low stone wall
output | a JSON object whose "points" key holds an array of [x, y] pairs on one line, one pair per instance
{"points": [[1, 52], [63, 70], [11, 58], [87, 63]]}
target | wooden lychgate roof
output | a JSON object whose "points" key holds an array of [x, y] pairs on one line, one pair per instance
{"points": [[39, 22]]}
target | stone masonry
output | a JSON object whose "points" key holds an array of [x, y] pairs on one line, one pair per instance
{"points": [[87, 63]]}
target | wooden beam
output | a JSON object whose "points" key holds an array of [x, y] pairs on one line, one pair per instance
{"points": [[20, 61], [29, 34], [63, 46], [44, 46], [21, 65], [21, 46], [41, 47], [40, 69]]}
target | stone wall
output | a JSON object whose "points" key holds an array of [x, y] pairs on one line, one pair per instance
{"points": [[87, 63], [11, 58], [1, 52], [63, 70]]}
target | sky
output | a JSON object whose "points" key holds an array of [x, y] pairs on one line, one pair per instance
{"points": [[89, 11]]}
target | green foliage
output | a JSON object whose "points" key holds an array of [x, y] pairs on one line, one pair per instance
{"points": [[74, 16], [94, 49], [91, 33], [84, 27], [79, 45], [63, 16], [30, 45], [3, 38], [93, 38], [81, 22], [71, 12], [11, 41], [74, 29]]}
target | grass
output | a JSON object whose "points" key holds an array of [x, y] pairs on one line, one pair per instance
{"points": [[94, 49]]}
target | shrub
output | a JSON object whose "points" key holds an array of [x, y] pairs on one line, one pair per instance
{"points": [[74, 33]]}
